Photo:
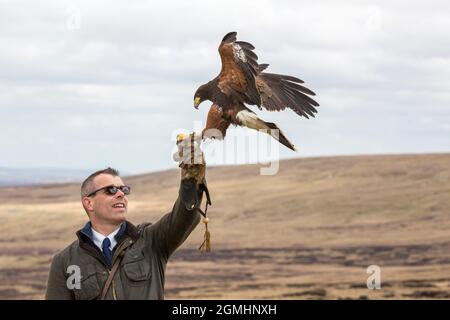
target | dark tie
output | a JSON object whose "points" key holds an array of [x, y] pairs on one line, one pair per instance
{"points": [[106, 251]]}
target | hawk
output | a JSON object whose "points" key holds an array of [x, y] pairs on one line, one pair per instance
{"points": [[243, 81]]}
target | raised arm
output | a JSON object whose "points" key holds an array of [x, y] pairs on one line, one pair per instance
{"points": [[174, 228]]}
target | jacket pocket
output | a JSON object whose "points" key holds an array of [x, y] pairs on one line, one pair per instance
{"points": [[137, 269], [89, 287]]}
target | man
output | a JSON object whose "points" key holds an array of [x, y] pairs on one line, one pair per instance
{"points": [[115, 259]]}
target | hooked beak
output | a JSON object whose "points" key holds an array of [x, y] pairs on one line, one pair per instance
{"points": [[196, 102]]}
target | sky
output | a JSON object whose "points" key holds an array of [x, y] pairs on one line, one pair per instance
{"points": [[90, 84]]}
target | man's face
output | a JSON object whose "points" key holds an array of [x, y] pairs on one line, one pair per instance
{"points": [[105, 208]]}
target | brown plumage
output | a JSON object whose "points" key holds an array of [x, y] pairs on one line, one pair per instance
{"points": [[242, 81], [216, 124]]}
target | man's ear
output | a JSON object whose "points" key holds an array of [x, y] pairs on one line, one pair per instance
{"points": [[87, 204]]}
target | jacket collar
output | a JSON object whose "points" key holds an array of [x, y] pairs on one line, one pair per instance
{"points": [[87, 231], [126, 229], [85, 240]]}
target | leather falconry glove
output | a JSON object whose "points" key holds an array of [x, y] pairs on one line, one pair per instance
{"points": [[193, 182]]}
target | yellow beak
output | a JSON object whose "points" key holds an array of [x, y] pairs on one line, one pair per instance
{"points": [[196, 102]]}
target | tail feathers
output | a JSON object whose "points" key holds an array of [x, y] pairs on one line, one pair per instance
{"points": [[250, 120], [277, 134]]}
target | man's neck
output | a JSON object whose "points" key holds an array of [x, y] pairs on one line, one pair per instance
{"points": [[105, 229]]}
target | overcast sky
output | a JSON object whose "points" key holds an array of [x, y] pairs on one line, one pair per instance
{"points": [[86, 84]]}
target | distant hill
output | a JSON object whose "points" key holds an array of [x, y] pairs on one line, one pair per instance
{"points": [[33, 176]]}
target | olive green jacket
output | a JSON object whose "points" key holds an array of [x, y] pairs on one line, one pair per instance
{"points": [[147, 249]]}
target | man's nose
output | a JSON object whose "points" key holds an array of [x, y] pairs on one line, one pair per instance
{"points": [[120, 194]]}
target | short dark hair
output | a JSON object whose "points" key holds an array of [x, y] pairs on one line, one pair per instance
{"points": [[87, 185]]}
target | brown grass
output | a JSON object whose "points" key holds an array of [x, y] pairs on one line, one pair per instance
{"points": [[308, 232]]}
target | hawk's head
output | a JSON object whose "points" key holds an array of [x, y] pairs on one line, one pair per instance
{"points": [[202, 94]]}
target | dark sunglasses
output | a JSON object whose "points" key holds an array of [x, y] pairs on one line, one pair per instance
{"points": [[112, 190]]}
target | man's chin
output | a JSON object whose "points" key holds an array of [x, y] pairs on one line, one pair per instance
{"points": [[120, 216]]}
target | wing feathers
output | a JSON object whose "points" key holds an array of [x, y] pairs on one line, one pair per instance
{"points": [[298, 87], [284, 77], [245, 45], [239, 69], [281, 91], [229, 37]]}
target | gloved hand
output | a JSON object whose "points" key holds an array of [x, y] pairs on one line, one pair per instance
{"points": [[193, 182], [190, 157]]}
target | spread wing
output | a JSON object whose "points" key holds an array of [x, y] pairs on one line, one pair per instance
{"points": [[237, 77], [214, 122], [279, 92]]}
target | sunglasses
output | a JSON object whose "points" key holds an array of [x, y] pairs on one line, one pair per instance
{"points": [[112, 190]]}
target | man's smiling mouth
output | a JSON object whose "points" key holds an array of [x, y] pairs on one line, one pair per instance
{"points": [[119, 205]]}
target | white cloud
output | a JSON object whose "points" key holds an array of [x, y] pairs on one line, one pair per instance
{"points": [[126, 77]]}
